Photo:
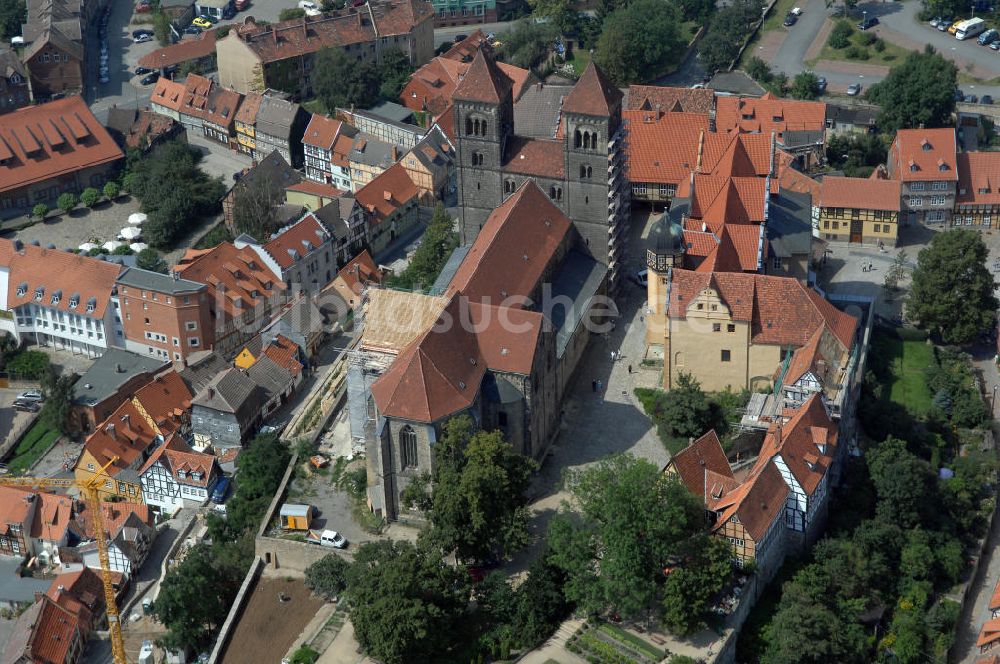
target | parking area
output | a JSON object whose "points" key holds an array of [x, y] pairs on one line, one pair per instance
{"points": [[334, 506], [12, 422]]}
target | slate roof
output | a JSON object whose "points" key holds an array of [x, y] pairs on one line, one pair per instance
{"points": [[229, 392], [109, 372], [198, 369], [789, 224], [154, 281], [538, 111], [276, 116]]}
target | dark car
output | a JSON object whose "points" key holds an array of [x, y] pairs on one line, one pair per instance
{"points": [[986, 99], [220, 490], [869, 22], [210, 19], [972, 99], [959, 95], [141, 71], [459, 38], [26, 406], [192, 30], [988, 37], [150, 79], [142, 31], [821, 84], [790, 20]]}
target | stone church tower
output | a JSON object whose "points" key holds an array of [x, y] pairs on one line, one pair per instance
{"points": [[582, 171]]}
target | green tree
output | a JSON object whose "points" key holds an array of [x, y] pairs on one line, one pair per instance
{"points": [[904, 483], [261, 467], [90, 196], [856, 155], [840, 36], [633, 521], [405, 602], [759, 70], [40, 210], [685, 411], [161, 28], [896, 272], [150, 259], [342, 82], [640, 41], [952, 289], [805, 630], [805, 85], [110, 190], [690, 587], [289, 13], [919, 92], [195, 595], [394, 70], [478, 505], [12, 14], [916, 560], [254, 208], [327, 576], [527, 44], [58, 391], [30, 365], [436, 247], [727, 32], [561, 13], [66, 202]]}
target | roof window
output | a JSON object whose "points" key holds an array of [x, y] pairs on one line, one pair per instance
{"points": [[91, 305], [22, 289], [74, 300], [57, 297], [39, 293]]}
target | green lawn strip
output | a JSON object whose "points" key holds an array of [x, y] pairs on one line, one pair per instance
{"points": [[315, 106], [604, 651], [580, 58], [891, 55], [908, 388], [634, 641], [776, 16], [31, 448]]}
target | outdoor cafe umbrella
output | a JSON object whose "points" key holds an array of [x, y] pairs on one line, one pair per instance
{"points": [[137, 218], [87, 246], [129, 233], [138, 246], [111, 245]]}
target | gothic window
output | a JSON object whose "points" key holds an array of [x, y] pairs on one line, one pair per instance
{"points": [[585, 171], [477, 158], [586, 140], [468, 126], [408, 447], [577, 138], [508, 187]]}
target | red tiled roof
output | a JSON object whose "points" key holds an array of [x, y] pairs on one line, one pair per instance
{"points": [[321, 131], [390, 190], [738, 249], [74, 278], [484, 81], [248, 109], [593, 94], [978, 178], [995, 598], [183, 51], [465, 50], [924, 154], [114, 516], [718, 200], [168, 93], [80, 592], [798, 440], [432, 87], [47, 141], [54, 633], [315, 188], [535, 156], [702, 455], [284, 352], [125, 434], [663, 148], [738, 155], [860, 193], [232, 275], [359, 272], [768, 113], [756, 503], [668, 99], [793, 180], [53, 517], [782, 310], [15, 507], [989, 633], [513, 248], [302, 237], [989, 659], [166, 399]]}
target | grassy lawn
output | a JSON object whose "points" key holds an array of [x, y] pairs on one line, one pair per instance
{"points": [[777, 15], [31, 448], [908, 359], [889, 56], [315, 106], [640, 645], [579, 59]]}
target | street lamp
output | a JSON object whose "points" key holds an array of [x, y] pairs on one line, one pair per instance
{"points": [[993, 401]]}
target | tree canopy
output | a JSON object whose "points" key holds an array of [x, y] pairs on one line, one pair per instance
{"points": [[436, 247], [640, 41], [805, 85], [150, 259], [952, 289], [527, 44], [261, 466], [340, 81], [920, 91], [328, 576], [12, 14], [727, 32], [633, 522]]}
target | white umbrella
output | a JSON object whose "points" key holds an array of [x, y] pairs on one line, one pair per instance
{"points": [[137, 218], [138, 246], [111, 245], [87, 246], [130, 233]]}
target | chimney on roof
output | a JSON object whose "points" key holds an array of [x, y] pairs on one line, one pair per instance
{"points": [[395, 154], [211, 392], [118, 368], [110, 429]]}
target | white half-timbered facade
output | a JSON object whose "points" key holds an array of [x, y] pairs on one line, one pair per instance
{"points": [[175, 477]]}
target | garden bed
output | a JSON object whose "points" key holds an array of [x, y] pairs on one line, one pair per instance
{"points": [[608, 644], [36, 442]]}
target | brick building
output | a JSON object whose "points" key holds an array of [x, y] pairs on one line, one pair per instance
{"points": [[164, 316], [925, 162]]}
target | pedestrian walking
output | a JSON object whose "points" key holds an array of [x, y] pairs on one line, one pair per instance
{"points": [[630, 369], [593, 385], [612, 356], [600, 386]]}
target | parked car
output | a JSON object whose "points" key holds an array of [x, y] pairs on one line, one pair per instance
{"points": [[202, 22], [220, 490], [142, 39], [142, 71], [31, 395], [869, 22], [972, 99], [934, 22], [988, 37], [986, 99], [821, 84], [329, 538], [142, 31], [192, 30], [27, 406], [854, 89], [959, 95], [995, 44], [953, 28], [641, 278], [208, 17], [150, 79], [790, 20]]}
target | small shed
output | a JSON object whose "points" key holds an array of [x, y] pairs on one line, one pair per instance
{"points": [[296, 517]]}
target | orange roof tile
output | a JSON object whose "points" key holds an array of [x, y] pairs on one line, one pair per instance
{"points": [[756, 503], [513, 248], [124, 434], [989, 634], [535, 156], [235, 277], [978, 178], [54, 634], [594, 94], [183, 51], [390, 190], [16, 505], [285, 353], [860, 193], [432, 87], [924, 154], [315, 188], [53, 517], [248, 109], [484, 81], [768, 114], [797, 442], [796, 181], [700, 456], [743, 155], [995, 597], [668, 99], [663, 148], [297, 240], [166, 399], [322, 131], [51, 140], [360, 271], [168, 93]]}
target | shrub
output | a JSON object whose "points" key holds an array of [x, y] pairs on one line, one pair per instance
{"points": [[869, 38], [32, 364], [111, 190], [857, 53], [879, 44], [840, 37], [90, 196], [40, 210], [66, 202]]}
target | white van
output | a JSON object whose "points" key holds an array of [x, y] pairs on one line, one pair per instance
{"points": [[970, 28]]}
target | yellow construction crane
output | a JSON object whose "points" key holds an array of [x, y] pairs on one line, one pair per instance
{"points": [[90, 492]]}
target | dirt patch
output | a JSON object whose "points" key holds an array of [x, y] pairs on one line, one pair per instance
{"points": [[269, 627]]}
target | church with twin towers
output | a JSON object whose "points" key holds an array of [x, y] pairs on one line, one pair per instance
{"points": [[582, 170]]}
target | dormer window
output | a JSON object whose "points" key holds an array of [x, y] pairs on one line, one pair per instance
{"points": [[39, 293], [925, 145], [57, 297], [984, 190], [196, 475], [74, 301], [942, 166], [22, 289], [91, 305], [15, 79], [181, 473]]}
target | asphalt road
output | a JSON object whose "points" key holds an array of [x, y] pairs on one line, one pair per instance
{"points": [[443, 35]]}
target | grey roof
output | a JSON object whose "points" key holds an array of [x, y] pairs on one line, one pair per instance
{"points": [[579, 279], [112, 370], [276, 116], [450, 268], [294, 509], [856, 115], [199, 369], [429, 151], [10, 64], [302, 317], [272, 171], [269, 376], [154, 281], [666, 235], [536, 113], [499, 390], [736, 83], [14, 588], [375, 152], [391, 111], [796, 138], [334, 216], [789, 224], [228, 392]]}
